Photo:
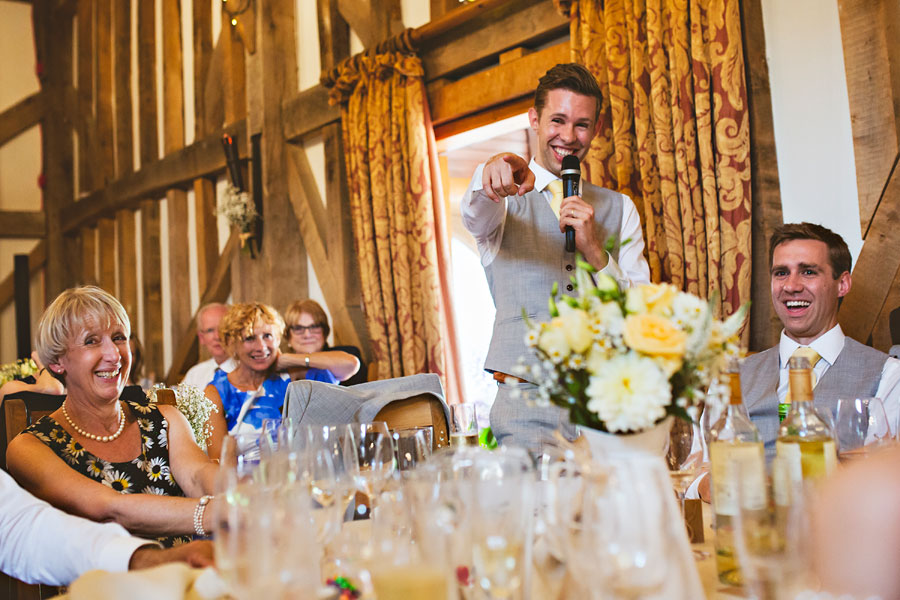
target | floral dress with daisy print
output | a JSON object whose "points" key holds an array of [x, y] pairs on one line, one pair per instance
{"points": [[149, 473]]}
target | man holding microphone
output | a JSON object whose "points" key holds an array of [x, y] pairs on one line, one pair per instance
{"points": [[516, 211]]}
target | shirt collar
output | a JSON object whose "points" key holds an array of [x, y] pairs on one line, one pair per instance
{"points": [[828, 346], [542, 177]]}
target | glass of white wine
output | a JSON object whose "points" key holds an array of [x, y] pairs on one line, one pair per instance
{"points": [[463, 425], [375, 458], [861, 425]]}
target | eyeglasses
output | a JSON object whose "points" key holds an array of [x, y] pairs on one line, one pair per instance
{"points": [[304, 328]]}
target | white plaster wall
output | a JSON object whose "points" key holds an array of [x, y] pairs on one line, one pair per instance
{"points": [[811, 115]]}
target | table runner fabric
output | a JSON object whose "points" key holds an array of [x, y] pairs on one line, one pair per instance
{"points": [[317, 403]]}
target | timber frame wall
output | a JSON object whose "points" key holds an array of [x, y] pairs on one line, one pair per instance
{"points": [[481, 63]]}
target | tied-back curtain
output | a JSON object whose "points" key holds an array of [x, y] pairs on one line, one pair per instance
{"points": [[674, 132], [402, 256]]}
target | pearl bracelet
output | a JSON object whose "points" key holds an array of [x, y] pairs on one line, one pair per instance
{"points": [[198, 516]]}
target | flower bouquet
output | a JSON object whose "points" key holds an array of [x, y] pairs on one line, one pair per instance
{"points": [[622, 360], [239, 210], [194, 405], [20, 369]]}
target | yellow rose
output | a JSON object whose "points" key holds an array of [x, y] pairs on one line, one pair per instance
{"points": [[577, 328], [654, 335]]}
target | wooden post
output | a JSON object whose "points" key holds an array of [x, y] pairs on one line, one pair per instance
{"points": [[23, 305], [122, 86]]}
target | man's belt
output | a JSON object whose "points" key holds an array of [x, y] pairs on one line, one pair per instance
{"points": [[507, 378]]}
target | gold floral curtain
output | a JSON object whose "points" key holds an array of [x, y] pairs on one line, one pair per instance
{"points": [[674, 132], [397, 213]]}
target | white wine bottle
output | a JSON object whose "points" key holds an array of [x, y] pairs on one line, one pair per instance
{"points": [[805, 441], [735, 451]]}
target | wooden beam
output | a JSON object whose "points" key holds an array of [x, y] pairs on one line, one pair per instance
{"points": [[149, 144], [53, 37], [372, 20], [151, 269], [328, 274], [126, 253], [308, 111], [89, 256], [22, 224], [203, 50], [85, 113], [122, 87], [179, 262], [173, 78], [21, 117], [203, 158], [104, 160], [764, 184], [878, 262], [334, 35], [478, 41], [868, 71], [37, 258], [484, 117], [216, 291], [106, 244], [494, 86], [206, 231], [235, 74]]}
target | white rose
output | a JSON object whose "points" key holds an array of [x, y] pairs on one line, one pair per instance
{"points": [[553, 341], [577, 328]]}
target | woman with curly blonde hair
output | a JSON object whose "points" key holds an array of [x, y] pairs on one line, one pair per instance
{"points": [[254, 390]]}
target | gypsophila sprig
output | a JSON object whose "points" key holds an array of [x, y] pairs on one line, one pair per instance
{"points": [[194, 405], [622, 360], [20, 369], [238, 209]]}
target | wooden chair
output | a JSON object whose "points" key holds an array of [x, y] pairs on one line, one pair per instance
{"points": [[423, 410], [20, 410]]}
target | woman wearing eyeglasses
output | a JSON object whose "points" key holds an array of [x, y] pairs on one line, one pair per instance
{"points": [[306, 331]]}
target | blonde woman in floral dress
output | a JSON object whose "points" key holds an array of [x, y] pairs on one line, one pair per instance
{"points": [[107, 455]]}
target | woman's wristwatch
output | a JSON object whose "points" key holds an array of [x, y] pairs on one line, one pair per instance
{"points": [[306, 360]]}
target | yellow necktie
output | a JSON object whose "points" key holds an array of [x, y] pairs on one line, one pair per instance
{"points": [[813, 357], [556, 188]]}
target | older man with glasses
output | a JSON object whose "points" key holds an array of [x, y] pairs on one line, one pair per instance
{"points": [[208, 319]]}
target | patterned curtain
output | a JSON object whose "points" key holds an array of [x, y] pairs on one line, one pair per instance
{"points": [[674, 132], [397, 213]]}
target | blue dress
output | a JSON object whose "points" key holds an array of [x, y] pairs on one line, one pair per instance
{"points": [[321, 375], [267, 405]]}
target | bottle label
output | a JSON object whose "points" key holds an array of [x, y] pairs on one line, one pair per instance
{"points": [[738, 476]]}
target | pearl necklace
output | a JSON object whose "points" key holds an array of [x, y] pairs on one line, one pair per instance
{"points": [[91, 436]]}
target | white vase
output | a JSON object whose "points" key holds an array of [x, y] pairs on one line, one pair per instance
{"points": [[653, 441]]}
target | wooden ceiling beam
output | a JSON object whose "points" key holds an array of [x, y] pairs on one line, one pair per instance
{"points": [[500, 84], [21, 116], [203, 158], [307, 112], [22, 224], [372, 20]]}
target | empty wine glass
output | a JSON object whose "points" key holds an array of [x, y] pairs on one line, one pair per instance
{"points": [[684, 457], [375, 457], [861, 424], [412, 447]]}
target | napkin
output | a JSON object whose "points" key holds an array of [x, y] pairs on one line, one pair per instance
{"points": [[173, 581]]}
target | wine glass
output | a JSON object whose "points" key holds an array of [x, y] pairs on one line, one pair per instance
{"points": [[463, 425], [684, 457], [375, 458], [412, 447], [860, 425]]}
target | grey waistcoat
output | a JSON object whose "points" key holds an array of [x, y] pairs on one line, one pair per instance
{"points": [[855, 373], [531, 257]]}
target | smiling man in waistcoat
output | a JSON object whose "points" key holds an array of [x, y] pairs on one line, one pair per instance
{"points": [[519, 226], [810, 273]]}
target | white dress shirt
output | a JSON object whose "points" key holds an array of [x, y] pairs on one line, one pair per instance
{"points": [[41, 544], [201, 374], [829, 345], [484, 219]]}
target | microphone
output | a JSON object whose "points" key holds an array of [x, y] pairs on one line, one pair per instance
{"points": [[570, 175]]}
